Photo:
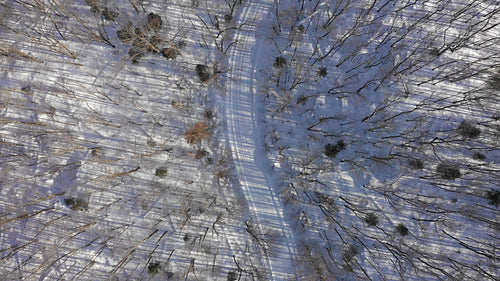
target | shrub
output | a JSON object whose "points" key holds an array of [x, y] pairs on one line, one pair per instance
{"points": [[169, 53], [94, 5], [371, 219], [27, 89], [416, 164], [154, 41], [322, 72], [494, 81], [77, 204], [435, 52], [203, 72], [108, 14], [139, 33], [301, 99], [220, 174], [300, 29], [402, 230], [96, 151], [349, 253], [325, 199], [178, 104], [161, 172], [448, 171], [154, 267], [181, 44], [493, 197], [125, 35], [348, 267], [279, 62], [197, 133], [140, 43], [200, 153], [208, 114], [135, 54], [232, 276], [331, 150], [467, 130], [154, 21], [478, 156]]}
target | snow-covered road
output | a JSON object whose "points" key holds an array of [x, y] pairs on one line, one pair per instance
{"points": [[265, 206]]}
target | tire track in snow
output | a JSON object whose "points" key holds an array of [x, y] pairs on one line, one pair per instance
{"points": [[265, 207]]}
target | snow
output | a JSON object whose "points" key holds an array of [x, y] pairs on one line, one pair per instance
{"points": [[372, 99], [97, 179], [96, 128], [264, 202]]}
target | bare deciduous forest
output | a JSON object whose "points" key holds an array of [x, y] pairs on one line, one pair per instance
{"points": [[376, 127]]}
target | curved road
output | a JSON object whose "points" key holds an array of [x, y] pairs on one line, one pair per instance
{"points": [[265, 206]]}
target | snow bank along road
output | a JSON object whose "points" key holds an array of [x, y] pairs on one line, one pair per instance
{"points": [[264, 204]]}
